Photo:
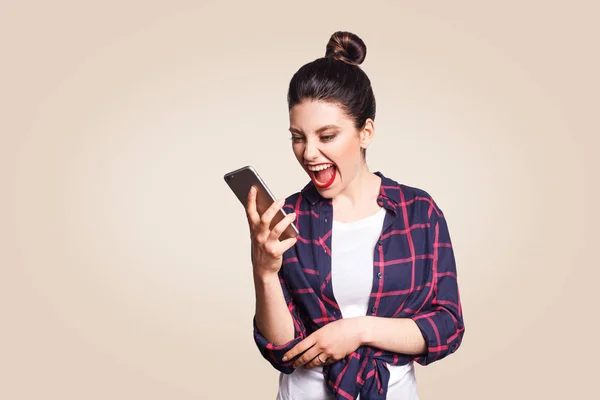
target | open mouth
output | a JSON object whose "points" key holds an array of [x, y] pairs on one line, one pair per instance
{"points": [[323, 175]]}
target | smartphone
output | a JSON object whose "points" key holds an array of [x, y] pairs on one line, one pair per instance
{"points": [[241, 180]]}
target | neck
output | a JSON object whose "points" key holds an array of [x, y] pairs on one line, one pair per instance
{"points": [[361, 192]]}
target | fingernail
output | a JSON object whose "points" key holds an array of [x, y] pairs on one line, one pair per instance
{"points": [[284, 359], [294, 215]]}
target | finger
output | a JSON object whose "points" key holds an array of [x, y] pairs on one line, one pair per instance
{"points": [[301, 347], [286, 244], [308, 356], [270, 213], [316, 362], [281, 226], [253, 217], [329, 361]]}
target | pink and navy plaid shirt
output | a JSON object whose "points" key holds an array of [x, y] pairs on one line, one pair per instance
{"points": [[414, 276]]}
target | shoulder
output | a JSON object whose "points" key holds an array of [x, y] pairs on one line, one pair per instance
{"points": [[298, 203], [416, 201], [302, 199], [294, 199], [422, 199]]}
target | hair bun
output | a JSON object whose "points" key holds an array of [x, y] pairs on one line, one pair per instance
{"points": [[346, 46]]}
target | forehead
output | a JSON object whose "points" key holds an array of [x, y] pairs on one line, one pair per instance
{"points": [[310, 115]]}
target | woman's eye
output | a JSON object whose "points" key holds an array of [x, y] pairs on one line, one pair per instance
{"points": [[327, 138], [296, 139]]}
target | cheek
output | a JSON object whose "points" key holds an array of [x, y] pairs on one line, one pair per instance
{"points": [[298, 150], [346, 152]]}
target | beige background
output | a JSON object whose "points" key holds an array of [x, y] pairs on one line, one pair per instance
{"points": [[125, 259]]}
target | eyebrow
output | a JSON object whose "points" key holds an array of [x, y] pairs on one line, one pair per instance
{"points": [[320, 130]]}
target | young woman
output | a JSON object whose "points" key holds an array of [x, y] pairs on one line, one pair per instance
{"points": [[369, 286]]}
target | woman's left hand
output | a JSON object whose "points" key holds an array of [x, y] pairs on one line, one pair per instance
{"points": [[330, 343]]}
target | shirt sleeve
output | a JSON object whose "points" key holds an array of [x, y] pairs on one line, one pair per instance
{"points": [[274, 353], [441, 321]]}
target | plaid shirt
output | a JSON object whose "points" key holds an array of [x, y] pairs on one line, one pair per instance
{"points": [[414, 276]]}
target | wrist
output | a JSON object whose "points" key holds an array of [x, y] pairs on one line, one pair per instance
{"points": [[364, 325], [265, 277]]}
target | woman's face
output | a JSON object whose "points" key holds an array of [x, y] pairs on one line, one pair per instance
{"points": [[327, 144]]}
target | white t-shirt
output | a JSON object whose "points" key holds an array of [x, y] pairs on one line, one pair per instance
{"points": [[352, 246]]}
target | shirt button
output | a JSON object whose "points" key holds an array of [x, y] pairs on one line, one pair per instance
{"points": [[379, 274], [373, 310], [325, 219]]}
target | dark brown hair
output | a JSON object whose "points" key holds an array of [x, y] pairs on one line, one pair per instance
{"points": [[337, 78]]}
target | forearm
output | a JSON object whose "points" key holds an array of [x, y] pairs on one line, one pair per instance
{"points": [[398, 335], [273, 318]]}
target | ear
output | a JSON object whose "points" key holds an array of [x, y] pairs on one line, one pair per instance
{"points": [[366, 133]]}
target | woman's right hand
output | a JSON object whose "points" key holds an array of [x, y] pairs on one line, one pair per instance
{"points": [[267, 249]]}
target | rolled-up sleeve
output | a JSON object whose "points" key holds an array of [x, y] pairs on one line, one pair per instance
{"points": [[441, 322], [274, 353]]}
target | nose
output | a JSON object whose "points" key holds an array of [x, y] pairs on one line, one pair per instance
{"points": [[311, 152]]}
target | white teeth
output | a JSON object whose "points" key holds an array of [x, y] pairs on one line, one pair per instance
{"points": [[319, 167]]}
